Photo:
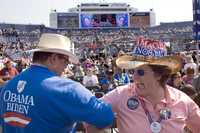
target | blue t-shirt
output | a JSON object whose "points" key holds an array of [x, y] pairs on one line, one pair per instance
{"points": [[39, 101]]}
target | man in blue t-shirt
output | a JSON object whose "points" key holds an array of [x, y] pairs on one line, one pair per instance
{"points": [[39, 100]]}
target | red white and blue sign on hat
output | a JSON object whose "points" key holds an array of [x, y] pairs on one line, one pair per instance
{"points": [[150, 47], [149, 52]]}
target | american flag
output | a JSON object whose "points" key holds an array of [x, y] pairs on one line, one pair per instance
{"points": [[16, 119], [196, 19]]}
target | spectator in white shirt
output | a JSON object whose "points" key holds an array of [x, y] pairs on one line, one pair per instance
{"points": [[90, 79], [190, 64]]}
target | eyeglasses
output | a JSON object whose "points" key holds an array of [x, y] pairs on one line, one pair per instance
{"points": [[139, 72], [64, 58]]}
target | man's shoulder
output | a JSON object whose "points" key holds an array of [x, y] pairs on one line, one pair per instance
{"points": [[57, 81], [65, 85]]}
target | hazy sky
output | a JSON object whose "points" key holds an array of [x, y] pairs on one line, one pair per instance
{"points": [[37, 11]]}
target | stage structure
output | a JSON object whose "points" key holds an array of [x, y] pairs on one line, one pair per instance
{"points": [[102, 15]]}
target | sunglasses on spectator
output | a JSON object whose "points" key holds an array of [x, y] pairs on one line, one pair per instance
{"points": [[139, 72]]}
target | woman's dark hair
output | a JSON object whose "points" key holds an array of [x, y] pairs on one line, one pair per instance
{"points": [[173, 77], [163, 71]]}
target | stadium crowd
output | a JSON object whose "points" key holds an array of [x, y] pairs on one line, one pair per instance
{"points": [[100, 46], [98, 50]]}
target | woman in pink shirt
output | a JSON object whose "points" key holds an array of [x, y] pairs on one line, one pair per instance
{"points": [[149, 105]]}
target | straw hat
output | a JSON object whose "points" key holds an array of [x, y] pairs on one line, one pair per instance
{"points": [[150, 54], [131, 62], [56, 43]]}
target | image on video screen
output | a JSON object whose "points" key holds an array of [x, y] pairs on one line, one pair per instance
{"points": [[104, 20]]}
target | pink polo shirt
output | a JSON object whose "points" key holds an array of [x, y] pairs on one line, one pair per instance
{"points": [[133, 118]]}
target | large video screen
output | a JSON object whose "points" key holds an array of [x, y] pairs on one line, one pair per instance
{"points": [[67, 20], [140, 20], [104, 20]]}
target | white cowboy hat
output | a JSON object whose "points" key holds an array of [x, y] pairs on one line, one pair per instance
{"points": [[56, 43]]}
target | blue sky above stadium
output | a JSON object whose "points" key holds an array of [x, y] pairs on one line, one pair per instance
{"points": [[37, 11]]}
